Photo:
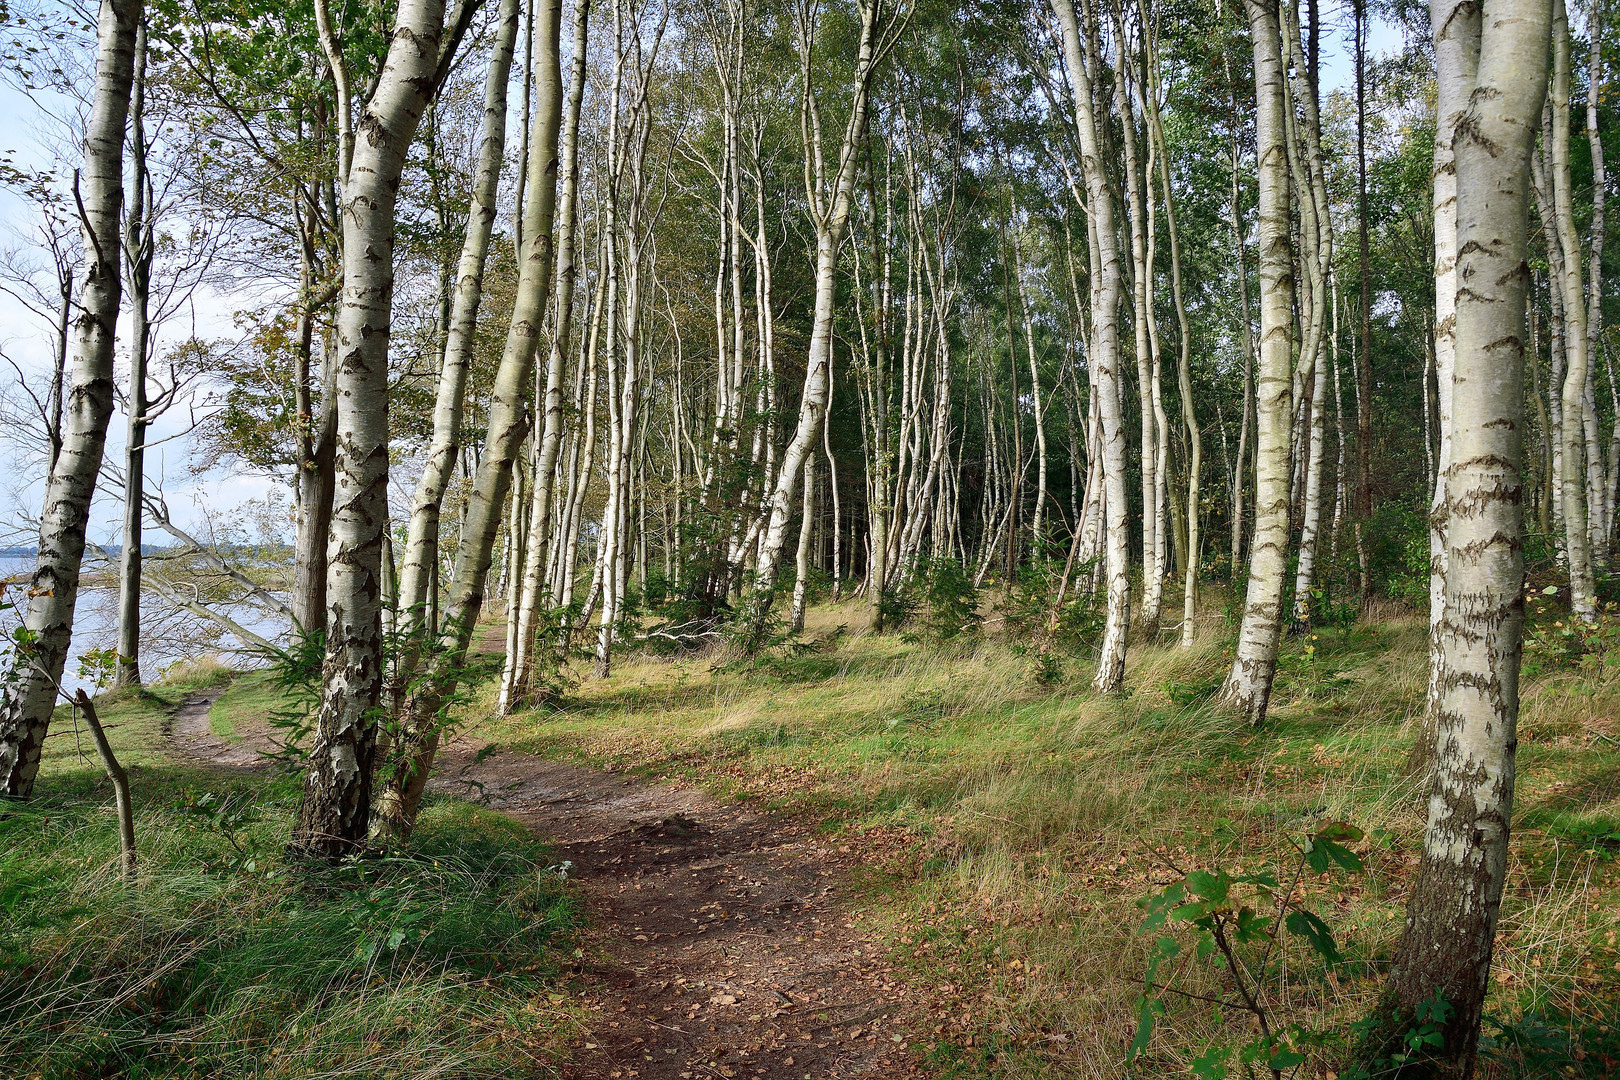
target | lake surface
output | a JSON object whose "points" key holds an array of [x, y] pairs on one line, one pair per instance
{"points": [[170, 636]]}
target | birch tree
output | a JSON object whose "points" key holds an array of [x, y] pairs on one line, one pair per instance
{"points": [[334, 816], [1452, 911], [420, 725], [1582, 499], [1248, 685], [1106, 287], [422, 538], [829, 194], [29, 696]]}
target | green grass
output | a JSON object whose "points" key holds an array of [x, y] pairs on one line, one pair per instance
{"points": [[250, 698], [1014, 825], [442, 958], [1005, 826]]}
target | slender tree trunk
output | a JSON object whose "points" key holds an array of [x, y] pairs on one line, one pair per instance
{"points": [[801, 580], [1452, 911], [1246, 340], [335, 814], [30, 694], [1105, 355], [1037, 528], [830, 199], [1248, 686], [1138, 203], [138, 241], [422, 539], [1456, 58], [1364, 379], [1577, 419], [1189, 413], [516, 678], [1594, 291], [407, 774]]}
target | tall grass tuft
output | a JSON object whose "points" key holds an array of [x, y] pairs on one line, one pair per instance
{"points": [[221, 960]]}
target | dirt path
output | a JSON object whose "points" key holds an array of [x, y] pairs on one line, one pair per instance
{"points": [[721, 943], [190, 733]]}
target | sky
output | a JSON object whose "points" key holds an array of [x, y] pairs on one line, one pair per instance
{"points": [[26, 130]]}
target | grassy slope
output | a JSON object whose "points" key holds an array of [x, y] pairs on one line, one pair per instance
{"points": [[1017, 825], [441, 959]]}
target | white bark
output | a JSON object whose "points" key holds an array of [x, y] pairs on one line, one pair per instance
{"points": [[412, 761], [1579, 427], [1248, 685], [515, 678], [1452, 912], [829, 201], [335, 813], [1106, 282], [1456, 35], [422, 538], [30, 695], [138, 250]]}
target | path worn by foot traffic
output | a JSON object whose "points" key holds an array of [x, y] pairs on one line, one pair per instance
{"points": [[189, 730], [720, 943]]}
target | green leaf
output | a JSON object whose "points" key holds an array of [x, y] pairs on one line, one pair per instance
{"points": [[1341, 831], [1326, 846], [1212, 887], [1286, 1059], [1150, 1008], [1165, 948], [1315, 931], [1193, 912], [1264, 878], [1158, 906], [1250, 926], [1211, 1064]]}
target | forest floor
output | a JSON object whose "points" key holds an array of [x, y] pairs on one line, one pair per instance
{"points": [[872, 856], [719, 940]]}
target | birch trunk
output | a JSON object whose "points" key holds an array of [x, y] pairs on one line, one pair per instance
{"points": [[335, 813], [407, 773], [801, 580], [422, 539], [1248, 686], [138, 243], [1452, 911], [1594, 289], [1189, 413], [1363, 367], [1310, 531], [516, 677], [1105, 359], [829, 199], [1137, 210], [1577, 419], [36, 667], [1456, 29]]}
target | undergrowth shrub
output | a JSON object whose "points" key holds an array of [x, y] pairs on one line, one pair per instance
{"points": [[947, 600]]}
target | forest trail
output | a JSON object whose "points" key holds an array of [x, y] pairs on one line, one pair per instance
{"points": [[720, 942], [189, 732]]}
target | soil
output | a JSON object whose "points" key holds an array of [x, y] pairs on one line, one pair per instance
{"points": [[190, 733], [723, 941]]}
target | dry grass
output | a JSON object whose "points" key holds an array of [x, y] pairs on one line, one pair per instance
{"points": [[1019, 823]]}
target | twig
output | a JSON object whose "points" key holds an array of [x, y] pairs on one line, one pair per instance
{"points": [[120, 782], [1167, 989], [64, 734]]}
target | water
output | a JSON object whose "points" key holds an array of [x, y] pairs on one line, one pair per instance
{"points": [[169, 636]]}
